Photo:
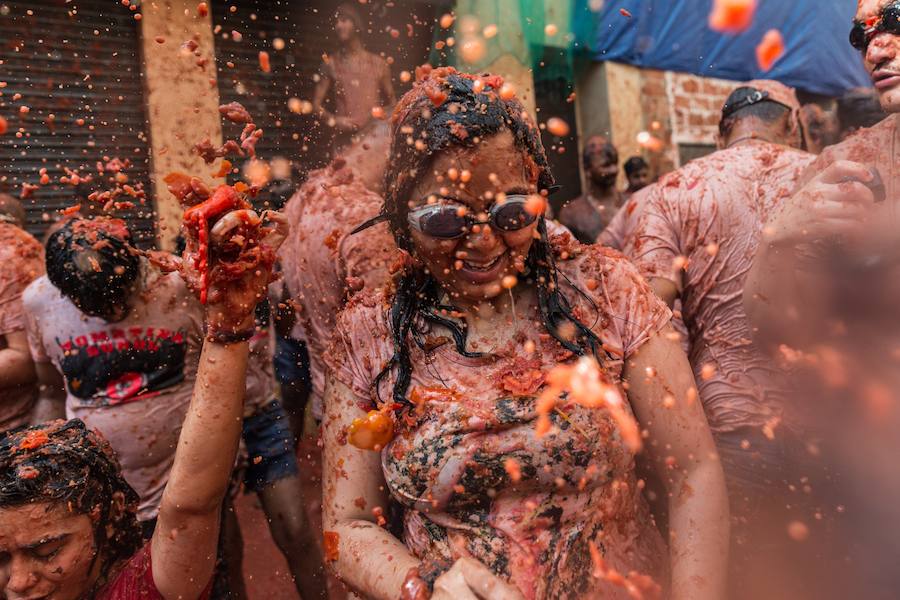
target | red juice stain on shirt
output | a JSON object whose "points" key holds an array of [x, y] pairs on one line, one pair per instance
{"points": [[203, 266]]}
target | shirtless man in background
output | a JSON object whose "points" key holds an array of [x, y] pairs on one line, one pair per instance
{"points": [[361, 80], [590, 213]]}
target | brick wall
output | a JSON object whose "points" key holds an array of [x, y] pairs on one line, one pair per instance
{"points": [[657, 118], [696, 105]]}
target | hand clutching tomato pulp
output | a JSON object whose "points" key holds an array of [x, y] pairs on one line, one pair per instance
{"points": [[229, 252]]}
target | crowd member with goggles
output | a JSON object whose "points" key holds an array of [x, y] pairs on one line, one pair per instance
{"points": [[887, 20], [452, 360]]}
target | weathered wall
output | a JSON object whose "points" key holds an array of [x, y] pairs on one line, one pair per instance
{"points": [[696, 104], [624, 85], [182, 100], [658, 119], [677, 108]]}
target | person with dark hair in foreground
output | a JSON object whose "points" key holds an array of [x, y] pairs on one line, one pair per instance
{"points": [[590, 213], [21, 262], [68, 519], [452, 360], [694, 240]]}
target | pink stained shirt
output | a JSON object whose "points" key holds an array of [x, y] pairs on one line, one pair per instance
{"points": [[21, 262], [618, 235], [323, 264], [711, 212], [446, 465], [131, 380], [621, 228]]}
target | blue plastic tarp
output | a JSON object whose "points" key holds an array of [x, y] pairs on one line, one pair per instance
{"points": [[675, 35]]}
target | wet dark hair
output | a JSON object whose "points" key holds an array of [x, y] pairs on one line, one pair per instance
{"points": [[91, 263], [859, 108], [592, 148], [442, 110], [635, 164], [768, 111], [67, 464]]}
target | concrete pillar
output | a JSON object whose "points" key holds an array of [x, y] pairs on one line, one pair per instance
{"points": [[625, 112], [182, 100], [508, 54], [608, 102]]}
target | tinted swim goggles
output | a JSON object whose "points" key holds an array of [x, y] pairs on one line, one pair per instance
{"points": [[863, 31], [451, 221]]}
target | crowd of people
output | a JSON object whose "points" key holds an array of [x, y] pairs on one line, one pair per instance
{"points": [[678, 389]]}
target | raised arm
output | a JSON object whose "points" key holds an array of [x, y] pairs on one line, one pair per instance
{"points": [[683, 451], [184, 542], [186, 536], [368, 558]]}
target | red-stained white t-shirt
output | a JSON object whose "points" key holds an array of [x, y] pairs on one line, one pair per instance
{"points": [[21, 262], [132, 380], [710, 213], [323, 264]]}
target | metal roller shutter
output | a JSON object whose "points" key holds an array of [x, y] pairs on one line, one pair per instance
{"points": [[307, 29], [72, 60], [266, 95]]}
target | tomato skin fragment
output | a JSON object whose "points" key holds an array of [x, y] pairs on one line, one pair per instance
{"points": [[34, 439]]}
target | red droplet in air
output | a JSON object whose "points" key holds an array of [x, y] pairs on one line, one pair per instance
{"points": [[202, 9], [770, 49], [264, 63], [625, 13], [4, 126], [732, 16]]}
